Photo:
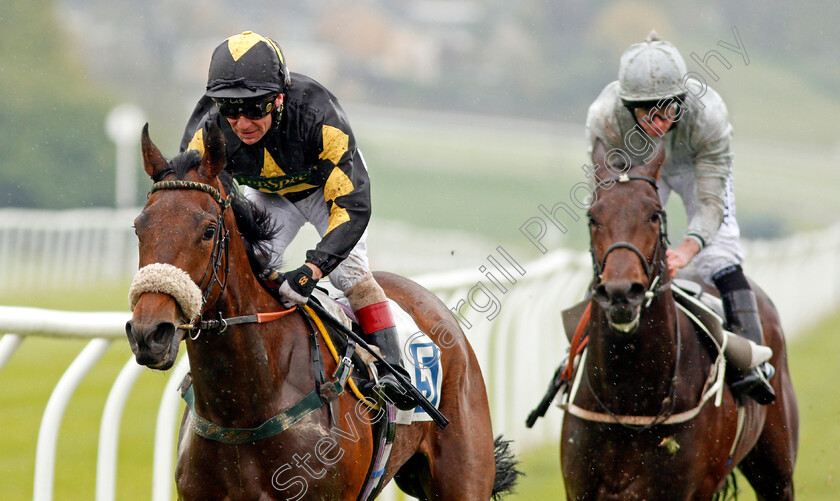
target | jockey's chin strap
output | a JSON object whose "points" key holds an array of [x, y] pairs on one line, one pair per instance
{"points": [[656, 284]]}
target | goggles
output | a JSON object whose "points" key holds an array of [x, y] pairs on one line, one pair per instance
{"points": [[670, 112], [251, 108], [670, 108]]}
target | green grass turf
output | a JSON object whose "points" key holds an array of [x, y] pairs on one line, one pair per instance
{"points": [[27, 380], [25, 386]]}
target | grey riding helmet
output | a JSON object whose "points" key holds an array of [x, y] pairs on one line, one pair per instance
{"points": [[650, 71], [246, 66]]}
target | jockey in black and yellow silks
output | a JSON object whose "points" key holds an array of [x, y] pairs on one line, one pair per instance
{"points": [[308, 147], [288, 141]]}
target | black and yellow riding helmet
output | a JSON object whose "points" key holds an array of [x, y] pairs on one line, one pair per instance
{"points": [[245, 66]]}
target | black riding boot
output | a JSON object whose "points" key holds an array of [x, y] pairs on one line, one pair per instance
{"points": [[388, 342], [742, 319]]}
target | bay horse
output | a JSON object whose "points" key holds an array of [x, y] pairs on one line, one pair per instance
{"points": [[642, 430], [247, 373]]}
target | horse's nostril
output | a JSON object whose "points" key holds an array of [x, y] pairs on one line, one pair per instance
{"points": [[612, 294], [129, 333], [163, 334], [601, 294], [637, 292]]}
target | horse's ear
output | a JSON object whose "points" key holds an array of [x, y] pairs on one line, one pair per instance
{"points": [[652, 167], [599, 153], [153, 161], [213, 161]]}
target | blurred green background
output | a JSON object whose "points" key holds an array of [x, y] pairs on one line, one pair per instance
{"points": [[477, 107]]}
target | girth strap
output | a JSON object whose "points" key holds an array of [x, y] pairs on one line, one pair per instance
{"points": [[277, 424]]}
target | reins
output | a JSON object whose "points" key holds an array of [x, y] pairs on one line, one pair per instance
{"points": [[222, 324]]}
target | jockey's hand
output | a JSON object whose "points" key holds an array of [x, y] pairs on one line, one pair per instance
{"points": [[680, 257], [298, 284]]}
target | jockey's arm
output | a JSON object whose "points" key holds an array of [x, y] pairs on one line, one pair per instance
{"points": [[317, 274], [713, 164], [346, 192], [710, 139]]}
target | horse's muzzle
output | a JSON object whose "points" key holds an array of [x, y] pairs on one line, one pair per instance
{"points": [[622, 301], [154, 345]]}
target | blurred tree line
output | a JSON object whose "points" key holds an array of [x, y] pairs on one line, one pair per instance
{"points": [[54, 152], [546, 59]]}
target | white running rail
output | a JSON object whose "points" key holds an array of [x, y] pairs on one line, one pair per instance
{"points": [[516, 334]]}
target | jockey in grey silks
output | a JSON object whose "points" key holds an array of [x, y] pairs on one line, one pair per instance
{"points": [[653, 99]]}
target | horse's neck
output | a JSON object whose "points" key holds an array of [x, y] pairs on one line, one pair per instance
{"points": [[633, 372], [240, 371]]}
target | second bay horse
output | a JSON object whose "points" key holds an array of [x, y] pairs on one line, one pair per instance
{"points": [[643, 431]]}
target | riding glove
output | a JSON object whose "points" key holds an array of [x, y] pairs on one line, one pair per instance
{"points": [[298, 285]]}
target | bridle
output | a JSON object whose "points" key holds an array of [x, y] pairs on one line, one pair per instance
{"points": [[325, 390], [656, 284], [221, 239], [666, 415]]}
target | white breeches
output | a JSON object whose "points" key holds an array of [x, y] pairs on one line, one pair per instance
{"points": [[725, 248], [313, 209]]}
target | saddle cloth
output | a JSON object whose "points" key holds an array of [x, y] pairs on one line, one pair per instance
{"points": [[420, 355]]}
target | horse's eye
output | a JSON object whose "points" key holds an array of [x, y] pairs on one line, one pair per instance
{"points": [[593, 223], [209, 233], [654, 218]]}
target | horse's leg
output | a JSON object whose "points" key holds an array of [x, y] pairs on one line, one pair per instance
{"points": [[461, 457], [769, 466], [461, 466], [456, 463], [414, 477]]}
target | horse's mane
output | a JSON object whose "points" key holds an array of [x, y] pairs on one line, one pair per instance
{"points": [[256, 225]]}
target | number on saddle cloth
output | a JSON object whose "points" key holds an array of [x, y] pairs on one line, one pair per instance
{"points": [[420, 355]]}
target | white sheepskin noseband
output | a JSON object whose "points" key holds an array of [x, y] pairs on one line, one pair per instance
{"points": [[167, 279]]}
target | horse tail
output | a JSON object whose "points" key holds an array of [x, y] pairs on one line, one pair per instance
{"points": [[506, 472]]}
